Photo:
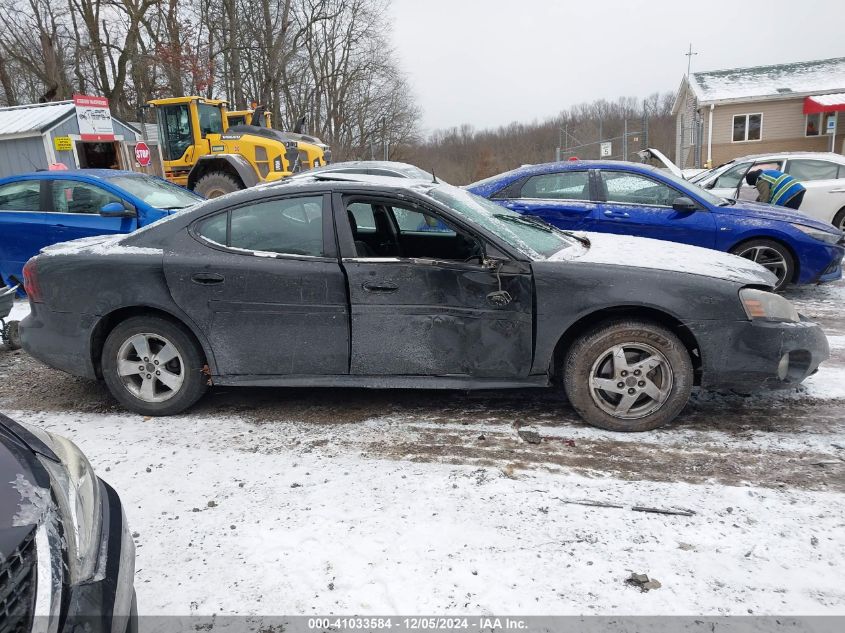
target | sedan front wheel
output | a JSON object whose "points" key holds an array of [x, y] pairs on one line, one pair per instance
{"points": [[628, 376], [771, 255]]}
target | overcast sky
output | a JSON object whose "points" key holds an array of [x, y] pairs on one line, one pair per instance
{"points": [[490, 62]]}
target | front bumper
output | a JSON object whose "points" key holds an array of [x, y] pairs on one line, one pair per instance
{"points": [[106, 604], [818, 263], [755, 354]]}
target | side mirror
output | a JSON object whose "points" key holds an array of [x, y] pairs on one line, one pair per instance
{"points": [[684, 204], [116, 210]]}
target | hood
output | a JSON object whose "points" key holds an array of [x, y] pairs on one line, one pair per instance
{"points": [[651, 153], [772, 212], [641, 252]]}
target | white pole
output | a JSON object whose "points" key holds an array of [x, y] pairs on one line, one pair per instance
{"points": [[710, 137]]}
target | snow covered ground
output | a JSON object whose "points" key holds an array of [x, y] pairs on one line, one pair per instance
{"points": [[356, 502]]}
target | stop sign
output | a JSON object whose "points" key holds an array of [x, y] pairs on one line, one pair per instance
{"points": [[142, 154]]}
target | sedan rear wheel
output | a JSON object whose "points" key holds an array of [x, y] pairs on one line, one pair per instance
{"points": [[770, 255], [628, 376], [153, 366]]}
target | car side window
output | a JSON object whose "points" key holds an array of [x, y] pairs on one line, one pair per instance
{"points": [[627, 188], [21, 196], [364, 218], [410, 221], [807, 170], [567, 185], [73, 196], [293, 226]]}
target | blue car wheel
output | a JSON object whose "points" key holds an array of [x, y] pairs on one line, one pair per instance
{"points": [[771, 255]]}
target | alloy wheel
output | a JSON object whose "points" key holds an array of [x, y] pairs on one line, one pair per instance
{"points": [[150, 367], [768, 258], [631, 380]]}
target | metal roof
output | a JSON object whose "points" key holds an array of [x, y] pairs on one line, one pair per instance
{"points": [[761, 82], [33, 119]]}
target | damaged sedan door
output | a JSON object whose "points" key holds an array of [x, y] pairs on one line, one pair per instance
{"points": [[426, 300]]}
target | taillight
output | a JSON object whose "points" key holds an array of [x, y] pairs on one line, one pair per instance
{"points": [[30, 282]]}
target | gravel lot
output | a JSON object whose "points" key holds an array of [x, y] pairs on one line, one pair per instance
{"points": [[299, 501]]}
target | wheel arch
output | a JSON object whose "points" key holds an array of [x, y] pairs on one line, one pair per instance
{"points": [[109, 321], [596, 318], [230, 164], [777, 240]]}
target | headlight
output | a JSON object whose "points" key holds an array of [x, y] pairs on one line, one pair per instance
{"points": [[818, 234], [77, 493], [766, 306]]}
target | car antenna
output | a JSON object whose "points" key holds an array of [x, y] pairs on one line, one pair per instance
{"points": [[434, 178]]}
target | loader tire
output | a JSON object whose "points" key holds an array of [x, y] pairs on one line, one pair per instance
{"points": [[216, 184]]}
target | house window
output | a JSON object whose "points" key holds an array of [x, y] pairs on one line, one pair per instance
{"points": [[816, 124], [747, 127]]}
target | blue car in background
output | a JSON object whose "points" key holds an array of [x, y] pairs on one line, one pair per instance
{"points": [[637, 199], [46, 207]]}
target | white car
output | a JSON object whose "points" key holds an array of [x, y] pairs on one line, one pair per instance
{"points": [[821, 173]]}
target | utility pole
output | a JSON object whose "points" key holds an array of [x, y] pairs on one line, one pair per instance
{"points": [[689, 55], [625, 141]]}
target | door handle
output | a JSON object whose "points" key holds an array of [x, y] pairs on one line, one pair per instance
{"points": [[617, 214], [516, 206], [207, 279], [379, 287]]}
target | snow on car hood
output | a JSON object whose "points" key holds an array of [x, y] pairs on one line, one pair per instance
{"points": [[641, 252], [98, 245]]}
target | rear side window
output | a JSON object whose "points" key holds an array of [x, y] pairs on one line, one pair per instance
{"points": [[814, 170], [21, 196], [293, 226], [568, 185]]}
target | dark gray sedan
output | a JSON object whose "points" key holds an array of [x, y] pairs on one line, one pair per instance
{"points": [[363, 281]]}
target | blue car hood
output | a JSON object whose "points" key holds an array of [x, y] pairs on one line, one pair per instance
{"points": [[771, 212], [642, 252]]}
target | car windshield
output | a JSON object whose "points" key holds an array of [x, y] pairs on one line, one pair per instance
{"points": [[684, 185], [531, 236], [702, 175], [156, 192]]}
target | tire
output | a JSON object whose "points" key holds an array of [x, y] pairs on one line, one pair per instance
{"points": [[216, 184], [839, 219], [668, 374], [13, 335], [763, 252], [144, 391]]}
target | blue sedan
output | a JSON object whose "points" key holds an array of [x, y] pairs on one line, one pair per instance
{"points": [[637, 199], [46, 207]]}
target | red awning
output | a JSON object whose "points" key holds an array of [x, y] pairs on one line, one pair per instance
{"points": [[824, 103]]}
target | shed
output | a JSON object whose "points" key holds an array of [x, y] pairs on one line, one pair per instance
{"points": [[35, 136]]}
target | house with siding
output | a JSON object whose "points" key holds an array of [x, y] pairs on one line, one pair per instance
{"points": [[723, 114], [36, 136]]}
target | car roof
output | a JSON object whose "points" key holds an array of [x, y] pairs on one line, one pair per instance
{"points": [[545, 168], [99, 174], [820, 155]]}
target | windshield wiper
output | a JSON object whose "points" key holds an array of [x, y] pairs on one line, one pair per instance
{"points": [[530, 220], [540, 223]]}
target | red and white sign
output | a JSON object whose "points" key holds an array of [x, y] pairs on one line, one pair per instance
{"points": [[94, 118], [142, 154]]}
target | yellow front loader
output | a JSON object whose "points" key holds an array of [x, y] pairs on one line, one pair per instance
{"points": [[203, 153]]}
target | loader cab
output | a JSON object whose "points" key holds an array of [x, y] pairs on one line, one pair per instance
{"points": [[187, 127], [244, 117]]}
